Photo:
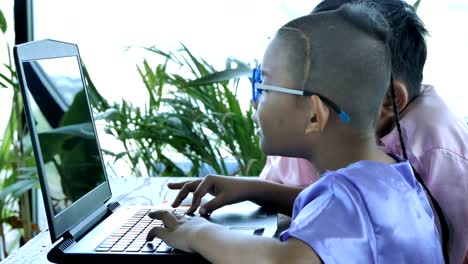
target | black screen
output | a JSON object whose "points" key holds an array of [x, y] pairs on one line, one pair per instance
{"points": [[62, 117]]}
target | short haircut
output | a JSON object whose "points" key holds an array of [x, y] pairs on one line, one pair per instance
{"points": [[344, 56], [407, 44]]}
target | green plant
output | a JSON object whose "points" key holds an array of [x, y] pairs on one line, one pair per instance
{"points": [[193, 111], [17, 170], [416, 4]]}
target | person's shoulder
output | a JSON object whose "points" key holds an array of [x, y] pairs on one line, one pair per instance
{"points": [[369, 176], [429, 107], [366, 168], [354, 182], [364, 171], [428, 123]]}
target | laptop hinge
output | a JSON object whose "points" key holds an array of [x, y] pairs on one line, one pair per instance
{"points": [[111, 207], [96, 217], [57, 253]]}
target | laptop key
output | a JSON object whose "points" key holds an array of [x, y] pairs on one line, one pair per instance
{"points": [[133, 249], [121, 244], [164, 248], [102, 249], [113, 240], [137, 245], [149, 247], [106, 245], [155, 240], [117, 249]]}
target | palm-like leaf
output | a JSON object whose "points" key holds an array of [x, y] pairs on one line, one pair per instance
{"points": [[192, 111], [17, 165], [3, 24]]}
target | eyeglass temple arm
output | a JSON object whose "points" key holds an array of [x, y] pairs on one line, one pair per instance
{"points": [[342, 114]]}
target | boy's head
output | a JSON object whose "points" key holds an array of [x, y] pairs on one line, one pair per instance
{"points": [[408, 47], [407, 44], [341, 55]]}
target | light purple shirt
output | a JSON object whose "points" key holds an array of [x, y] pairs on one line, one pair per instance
{"points": [[368, 212], [436, 142]]}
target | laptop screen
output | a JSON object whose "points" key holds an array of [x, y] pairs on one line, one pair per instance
{"points": [[67, 140]]}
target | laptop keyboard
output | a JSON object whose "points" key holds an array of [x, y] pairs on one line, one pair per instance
{"points": [[131, 236]]}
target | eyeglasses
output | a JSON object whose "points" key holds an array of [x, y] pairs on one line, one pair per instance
{"points": [[258, 87]]}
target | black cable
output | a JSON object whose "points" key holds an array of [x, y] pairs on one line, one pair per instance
{"points": [[438, 209], [396, 117]]}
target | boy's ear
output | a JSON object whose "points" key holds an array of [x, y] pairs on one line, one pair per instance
{"points": [[401, 96], [318, 115]]}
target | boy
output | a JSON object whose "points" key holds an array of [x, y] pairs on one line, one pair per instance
{"points": [[433, 148], [367, 206]]}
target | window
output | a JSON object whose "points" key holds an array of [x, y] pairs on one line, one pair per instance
{"points": [[447, 57], [215, 30], [111, 34], [8, 38]]}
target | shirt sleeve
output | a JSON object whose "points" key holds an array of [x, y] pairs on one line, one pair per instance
{"points": [[330, 219]]}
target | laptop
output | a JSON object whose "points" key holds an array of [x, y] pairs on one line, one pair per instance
{"points": [[85, 223]]}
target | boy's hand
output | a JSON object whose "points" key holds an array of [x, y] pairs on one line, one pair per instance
{"points": [[227, 190], [178, 231]]}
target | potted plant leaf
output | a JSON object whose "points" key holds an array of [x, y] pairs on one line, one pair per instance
{"points": [[17, 170]]}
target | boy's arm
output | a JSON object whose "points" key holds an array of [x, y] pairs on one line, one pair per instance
{"points": [[229, 190], [221, 245], [211, 243], [277, 196]]}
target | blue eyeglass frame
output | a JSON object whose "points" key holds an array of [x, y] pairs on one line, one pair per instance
{"points": [[256, 78], [258, 87]]}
